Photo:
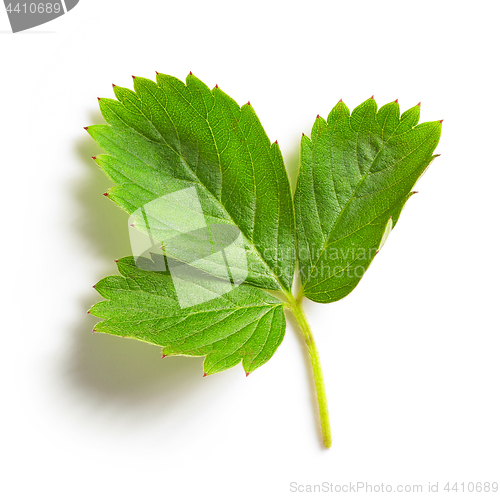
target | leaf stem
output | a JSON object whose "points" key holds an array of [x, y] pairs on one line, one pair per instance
{"points": [[300, 316]]}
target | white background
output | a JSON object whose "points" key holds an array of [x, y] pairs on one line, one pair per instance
{"points": [[411, 357]]}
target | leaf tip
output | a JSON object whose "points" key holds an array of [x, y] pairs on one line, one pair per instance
{"points": [[441, 121], [163, 356], [217, 86], [133, 77], [419, 103], [116, 261], [88, 311], [396, 101], [94, 158], [247, 374], [105, 194], [190, 73], [414, 192], [157, 73], [94, 286], [276, 142], [132, 225], [98, 99], [317, 117], [372, 97], [341, 101], [248, 103], [303, 134], [86, 128], [205, 374], [113, 85], [93, 331]]}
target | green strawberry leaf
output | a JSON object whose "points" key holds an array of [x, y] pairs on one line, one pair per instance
{"points": [[188, 158], [357, 171], [244, 325], [198, 174]]}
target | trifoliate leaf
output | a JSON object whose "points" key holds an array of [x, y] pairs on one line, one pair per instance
{"points": [[356, 173], [244, 325], [198, 174]]}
